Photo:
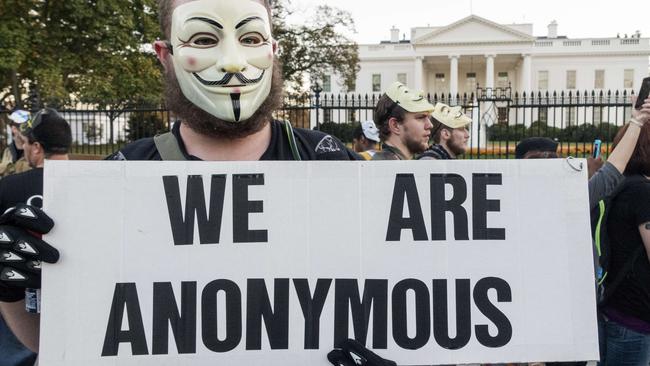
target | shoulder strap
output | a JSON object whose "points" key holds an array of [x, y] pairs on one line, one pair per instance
{"points": [[167, 146], [288, 129], [600, 276]]}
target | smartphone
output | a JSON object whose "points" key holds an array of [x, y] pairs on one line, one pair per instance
{"points": [[643, 93], [596, 150]]}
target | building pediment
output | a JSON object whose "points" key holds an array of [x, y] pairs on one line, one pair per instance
{"points": [[471, 30]]}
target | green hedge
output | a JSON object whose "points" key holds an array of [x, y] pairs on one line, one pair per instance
{"points": [[502, 132], [579, 133], [145, 124], [343, 131]]}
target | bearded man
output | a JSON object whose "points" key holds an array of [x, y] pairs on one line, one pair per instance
{"points": [[223, 81], [450, 133]]}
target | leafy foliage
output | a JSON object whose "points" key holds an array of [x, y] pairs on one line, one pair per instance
{"points": [[542, 129], [577, 133], [78, 47], [343, 131], [92, 51], [316, 46], [503, 132], [145, 124]]}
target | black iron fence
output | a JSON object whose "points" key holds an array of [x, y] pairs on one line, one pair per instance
{"points": [[500, 117]]}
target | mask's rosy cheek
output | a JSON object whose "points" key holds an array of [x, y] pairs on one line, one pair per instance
{"points": [[195, 60], [261, 58]]}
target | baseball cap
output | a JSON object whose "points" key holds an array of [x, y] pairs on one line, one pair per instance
{"points": [[410, 100], [50, 129], [20, 116], [370, 131], [39, 117], [452, 117], [534, 144]]}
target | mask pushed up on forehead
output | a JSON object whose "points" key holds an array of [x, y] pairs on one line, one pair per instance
{"points": [[222, 53]]}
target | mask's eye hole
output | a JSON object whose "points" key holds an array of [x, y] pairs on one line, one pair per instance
{"points": [[203, 40], [251, 39]]}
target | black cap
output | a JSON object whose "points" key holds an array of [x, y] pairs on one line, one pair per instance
{"points": [[534, 144], [50, 129]]}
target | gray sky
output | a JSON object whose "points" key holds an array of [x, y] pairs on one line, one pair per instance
{"points": [[576, 18]]}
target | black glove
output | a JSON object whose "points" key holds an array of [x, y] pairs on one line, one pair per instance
{"points": [[22, 250], [353, 353]]}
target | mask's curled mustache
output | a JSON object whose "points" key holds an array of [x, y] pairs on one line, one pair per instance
{"points": [[227, 77]]}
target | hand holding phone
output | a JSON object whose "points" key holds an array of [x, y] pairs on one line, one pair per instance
{"points": [[596, 150], [643, 93]]}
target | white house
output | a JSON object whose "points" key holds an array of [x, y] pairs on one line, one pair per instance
{"points": [[456, 57]]}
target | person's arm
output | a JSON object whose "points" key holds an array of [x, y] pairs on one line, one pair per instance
{"points": [[604, 181], [623, 152], [594, 165], [24, 325], [607, 178], [21, 229]]}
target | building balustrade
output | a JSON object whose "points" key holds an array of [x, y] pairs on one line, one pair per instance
{"points": [[630, 41], [612, 42], [571, 43]]}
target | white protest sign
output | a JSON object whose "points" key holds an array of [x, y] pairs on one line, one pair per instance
{"points": [[249, 263]]}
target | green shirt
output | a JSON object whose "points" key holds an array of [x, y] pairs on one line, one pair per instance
{"points": [[389, 153]]}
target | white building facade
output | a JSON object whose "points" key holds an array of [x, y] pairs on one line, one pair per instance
{"points": [[476, 51]]}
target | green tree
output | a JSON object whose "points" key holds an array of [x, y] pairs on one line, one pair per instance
{"points": [[14, 46], [316, 46], [92, 49]]}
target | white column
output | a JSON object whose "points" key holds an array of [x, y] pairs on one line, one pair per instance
{"points": [[453, 75], [489, 72], [418, 83], [526, 74]]}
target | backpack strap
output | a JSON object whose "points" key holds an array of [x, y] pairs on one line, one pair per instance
{"points": [[288, 129], [168, 147], [600, 276]]}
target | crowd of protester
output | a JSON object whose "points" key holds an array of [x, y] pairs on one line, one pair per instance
{"points": [[624, 312], [240, 126]]}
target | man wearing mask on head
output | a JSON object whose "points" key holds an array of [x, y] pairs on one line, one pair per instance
{"points": [[223, 81], [402, 117], [365, 139], [450, 134]]}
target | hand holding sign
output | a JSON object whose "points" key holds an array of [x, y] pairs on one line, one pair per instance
{"points": [[22, 251], [353, 353]]}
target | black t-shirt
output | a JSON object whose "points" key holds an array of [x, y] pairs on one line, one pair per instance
{"points": [[25, 187], [436, 152], [630, 208], [312, 145]]}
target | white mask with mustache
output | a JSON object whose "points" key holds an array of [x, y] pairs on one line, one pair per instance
{"points": [[223, 56]]}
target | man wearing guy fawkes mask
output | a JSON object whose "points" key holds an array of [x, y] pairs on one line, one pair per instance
{"points": [[223, 81]]}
